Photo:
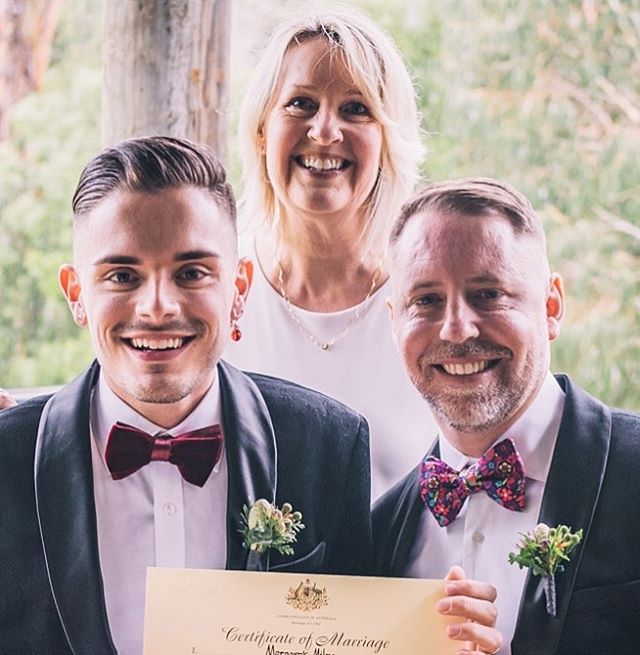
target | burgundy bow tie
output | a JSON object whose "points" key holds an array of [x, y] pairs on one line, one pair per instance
{"points": [[499, 472], [194, 453]]}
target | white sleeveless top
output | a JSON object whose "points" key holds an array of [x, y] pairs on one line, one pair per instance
{"points": [[362, 369]]}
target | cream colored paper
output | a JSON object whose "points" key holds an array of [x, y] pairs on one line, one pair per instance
{"points": [[204, 612]]}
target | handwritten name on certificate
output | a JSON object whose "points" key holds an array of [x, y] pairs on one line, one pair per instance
{"points": [[204, 612]]}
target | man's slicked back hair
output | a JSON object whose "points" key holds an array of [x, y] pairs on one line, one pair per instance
{"points": [[150, 164], [472, 196]]}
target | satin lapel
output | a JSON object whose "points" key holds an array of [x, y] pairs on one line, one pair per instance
{"points": [[570, 497], [67, 516], [250, 448], [407, 520]]}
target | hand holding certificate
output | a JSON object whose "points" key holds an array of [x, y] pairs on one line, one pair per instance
{"points": [[198, 612]]}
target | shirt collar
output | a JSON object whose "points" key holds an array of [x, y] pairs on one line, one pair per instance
{"points": [[534, 433]]}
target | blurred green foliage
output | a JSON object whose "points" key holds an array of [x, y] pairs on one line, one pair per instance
{"points": [[53, 133], [542, 94]]}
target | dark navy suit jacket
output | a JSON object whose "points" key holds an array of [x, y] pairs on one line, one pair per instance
{"points": [[593, 484], [282, 443]]}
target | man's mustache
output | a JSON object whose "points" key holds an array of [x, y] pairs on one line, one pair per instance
{"points": [[479, 348]]}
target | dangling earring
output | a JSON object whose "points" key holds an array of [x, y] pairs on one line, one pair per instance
{"points": [[236, 334], [265, 175], [79, 314]]}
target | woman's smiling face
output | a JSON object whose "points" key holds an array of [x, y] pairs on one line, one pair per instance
{"points": [[323, 145]]}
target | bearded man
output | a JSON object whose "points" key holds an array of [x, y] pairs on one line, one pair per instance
{"points": [[474, 308]]}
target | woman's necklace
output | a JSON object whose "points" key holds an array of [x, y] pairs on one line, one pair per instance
{"points": [[360, 311]]}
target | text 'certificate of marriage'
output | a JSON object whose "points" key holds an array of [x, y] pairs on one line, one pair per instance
{"points": [[204, 612]]}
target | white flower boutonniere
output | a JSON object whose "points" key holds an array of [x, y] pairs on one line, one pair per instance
{"points": [[265, 527], [544, 551]]}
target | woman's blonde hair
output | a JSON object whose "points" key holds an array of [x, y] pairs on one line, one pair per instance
{"points": [[380, 73]]}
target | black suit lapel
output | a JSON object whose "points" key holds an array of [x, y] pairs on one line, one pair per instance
{"points": [[251, 454], [67, 516], [401, 525], [570, 497], [406, 522]]}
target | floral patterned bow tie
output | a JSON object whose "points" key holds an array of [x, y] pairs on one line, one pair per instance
{"points": [[194, 453], [499, 472]]}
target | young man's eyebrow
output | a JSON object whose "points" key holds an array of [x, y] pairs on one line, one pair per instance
{"points": [[125, 260], [195, 254]]}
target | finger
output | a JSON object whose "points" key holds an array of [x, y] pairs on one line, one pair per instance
{"points": [[6, 400], [472, 609], [455, 573], [471, 588], [479, 638]]}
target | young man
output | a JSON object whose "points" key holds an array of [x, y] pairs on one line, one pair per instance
{"points": [[474, 307], [157, 282]]}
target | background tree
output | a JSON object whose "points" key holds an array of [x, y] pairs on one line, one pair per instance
{"points": [[166, 70], [26, 33]]}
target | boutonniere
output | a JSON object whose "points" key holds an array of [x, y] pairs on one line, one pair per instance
{"points": [[544, 551], [265, 527]]}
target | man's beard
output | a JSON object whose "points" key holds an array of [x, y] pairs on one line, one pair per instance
{"points": [[167, 389], [477, 408]]}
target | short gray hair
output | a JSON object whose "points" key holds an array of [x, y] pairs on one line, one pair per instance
{"points": [[472, 196]]}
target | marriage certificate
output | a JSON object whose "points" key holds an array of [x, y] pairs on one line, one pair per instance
{"points": [[205, 612]]}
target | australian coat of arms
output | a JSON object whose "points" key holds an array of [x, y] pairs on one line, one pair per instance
{"points": [[307, 596]]}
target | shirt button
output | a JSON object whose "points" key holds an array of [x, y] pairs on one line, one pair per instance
{"points": [[478, 537], [170, 509]]}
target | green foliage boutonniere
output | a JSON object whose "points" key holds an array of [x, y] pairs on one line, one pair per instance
{"points": [[544, 551], [266, 527]]}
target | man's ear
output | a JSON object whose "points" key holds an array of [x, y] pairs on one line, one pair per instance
{"points": [[70, 285], [555, 306], [244, 277]]}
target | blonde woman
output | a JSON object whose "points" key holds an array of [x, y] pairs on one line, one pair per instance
{"points": [[330, 142]]}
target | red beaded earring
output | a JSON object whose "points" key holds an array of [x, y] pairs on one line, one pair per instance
{"points": [[236, 334]]}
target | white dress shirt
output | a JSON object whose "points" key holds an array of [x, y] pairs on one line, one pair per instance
{"points": [[152, 517], [484, 533]]}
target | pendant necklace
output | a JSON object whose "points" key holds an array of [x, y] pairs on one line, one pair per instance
{"points": [[357, 315]]}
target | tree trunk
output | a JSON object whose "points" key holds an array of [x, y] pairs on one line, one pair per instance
{"points": [[165, 70], [26, 34]]}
